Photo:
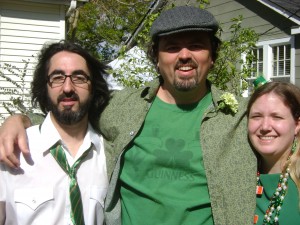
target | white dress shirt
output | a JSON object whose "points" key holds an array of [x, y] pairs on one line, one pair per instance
{"points": [[39, 193]]}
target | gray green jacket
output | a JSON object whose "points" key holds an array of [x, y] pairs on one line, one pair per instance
{"points": [[229, 162]]}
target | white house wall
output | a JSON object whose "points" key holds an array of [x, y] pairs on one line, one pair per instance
{"points": [[24, 28]]}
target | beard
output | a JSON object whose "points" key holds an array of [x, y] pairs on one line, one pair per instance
{"points": [[67, 116], [186, 84]]}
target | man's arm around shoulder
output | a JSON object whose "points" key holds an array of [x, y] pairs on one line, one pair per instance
{"points": [[13, 140]]}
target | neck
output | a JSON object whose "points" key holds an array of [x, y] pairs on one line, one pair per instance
{"points": [[173, 96], [72, 135], [270, 168], [271, 165]]}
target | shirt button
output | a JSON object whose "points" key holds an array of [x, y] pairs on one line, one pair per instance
{"points": [[33, 201], [131, 133]]}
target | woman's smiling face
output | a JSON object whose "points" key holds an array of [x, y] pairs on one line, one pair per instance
{"points": [[271, 127]]}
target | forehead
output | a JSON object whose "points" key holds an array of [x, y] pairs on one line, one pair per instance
{"points": [[271, 100], [186, 37], [65, 59]]}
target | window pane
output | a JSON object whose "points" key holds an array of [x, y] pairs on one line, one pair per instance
{"points": [[281, 67], [281, 53], [275, 73], [275, 54], [281, 60], [288, 52], [257, 64], [288, 68]]}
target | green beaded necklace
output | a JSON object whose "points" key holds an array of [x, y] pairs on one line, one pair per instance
{"points": [[273, 211]]}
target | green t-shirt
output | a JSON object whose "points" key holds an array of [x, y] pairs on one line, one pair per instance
{"points": [[162, 177], [289, 213]]}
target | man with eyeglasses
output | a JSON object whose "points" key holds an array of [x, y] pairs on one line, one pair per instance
{"points": [[67, 181]]}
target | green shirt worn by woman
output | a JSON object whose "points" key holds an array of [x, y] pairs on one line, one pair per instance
{"points": [[290, 212]]}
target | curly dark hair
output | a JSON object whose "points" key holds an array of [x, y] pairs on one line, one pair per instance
{"points": [[100, 92]]}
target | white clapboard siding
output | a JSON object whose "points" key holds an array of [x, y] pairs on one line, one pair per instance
{"points": [[24, 27]]}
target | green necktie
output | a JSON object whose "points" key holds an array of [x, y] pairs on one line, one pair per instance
{"points": [[75, 197]]}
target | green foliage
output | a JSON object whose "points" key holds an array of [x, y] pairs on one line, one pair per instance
{"points": [[230, 71], [143, 38], [134, 70], [203, 3], [104, 25], [19, 100]]}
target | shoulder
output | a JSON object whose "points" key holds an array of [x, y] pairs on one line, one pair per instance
{"points": [[218, 97], [33, 131], [35, 139], [130, 99], [131, 94], [126, 109]]}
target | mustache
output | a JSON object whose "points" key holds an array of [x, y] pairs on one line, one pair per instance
{"points": [[72, 96], [189, 62]]}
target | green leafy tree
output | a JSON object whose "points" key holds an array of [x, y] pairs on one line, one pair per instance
{"points": [[231, 71], [19, 98], [136, 71], [105, 26], [134, 68]]}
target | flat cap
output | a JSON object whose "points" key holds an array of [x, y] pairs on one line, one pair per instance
{"points": [[183, 18]]}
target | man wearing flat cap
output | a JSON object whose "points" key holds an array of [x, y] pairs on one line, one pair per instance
{"points": [[181, 160], [174, 156]]}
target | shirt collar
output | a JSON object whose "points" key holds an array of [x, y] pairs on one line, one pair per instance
{"points": [[50, 136]]}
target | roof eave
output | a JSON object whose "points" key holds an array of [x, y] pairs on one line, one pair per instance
{"points": [[281, 11]]}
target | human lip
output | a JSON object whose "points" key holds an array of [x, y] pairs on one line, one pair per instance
{"points": [[266, 138], [185, 68], [68, 101]]}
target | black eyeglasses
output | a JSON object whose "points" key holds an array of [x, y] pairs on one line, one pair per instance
{"points": [[58, 79]]}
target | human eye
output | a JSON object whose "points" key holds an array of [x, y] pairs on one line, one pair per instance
{"points": [[79, 78], [172, 48], [57, 78], [277, 117], [255, 116], [196, 46]]}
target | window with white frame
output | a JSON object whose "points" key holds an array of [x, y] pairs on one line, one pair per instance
{"points": [[257, 66], [273, 60], [281, 60]]}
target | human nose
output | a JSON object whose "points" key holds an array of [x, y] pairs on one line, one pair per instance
{"points": [[68, 85], [266, 124], [184, 53]]}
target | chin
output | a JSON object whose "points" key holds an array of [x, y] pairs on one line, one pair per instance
{"points": [[266, 152], [69, 108]]}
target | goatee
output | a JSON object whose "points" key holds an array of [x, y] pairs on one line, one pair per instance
{"points": [[67, 116], [186, 84]]}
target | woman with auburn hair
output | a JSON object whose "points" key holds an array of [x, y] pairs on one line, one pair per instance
{"points": [[273, 129]]}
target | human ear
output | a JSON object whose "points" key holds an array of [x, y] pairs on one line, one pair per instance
{"points": [[297, 129]]}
